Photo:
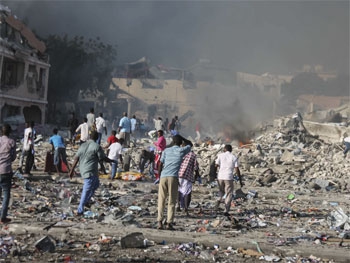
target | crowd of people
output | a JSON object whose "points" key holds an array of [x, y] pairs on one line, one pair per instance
{"points": [[174, 167]]}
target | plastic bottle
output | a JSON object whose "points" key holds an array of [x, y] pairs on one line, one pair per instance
{"points": [[18, 175], [28, 187], [90, 214]]}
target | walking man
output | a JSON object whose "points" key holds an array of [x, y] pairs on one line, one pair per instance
{"points": [[7, 156], [125, 129], [133, 122], [115, 150], [111, 139], [227, 164], [160, 147], [28, 149], [169, 166], [100, 127], [158, 124], [189, 172], [59, 149], [21, 158], [91, 119], [84, 131], [73, 125], [88, 155]]}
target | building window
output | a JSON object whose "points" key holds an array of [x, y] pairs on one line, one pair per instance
{"points": [[9, 74], [31, 78], [12, 73], [40, 88]]}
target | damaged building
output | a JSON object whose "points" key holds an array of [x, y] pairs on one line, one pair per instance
{"points": [[151, 91], [24, 72], [308, 102]]}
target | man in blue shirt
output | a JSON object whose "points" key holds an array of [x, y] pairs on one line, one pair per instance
{"points": [[169, 167], [125, 129], [59, 149]]}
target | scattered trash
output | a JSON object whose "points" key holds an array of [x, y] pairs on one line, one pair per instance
{"points": [[134, 208], [337, 218], [281, 171], [290, 197], [271, 258], [90, 214]]}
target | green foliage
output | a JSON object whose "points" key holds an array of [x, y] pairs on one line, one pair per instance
{"points": [[78, 64]]}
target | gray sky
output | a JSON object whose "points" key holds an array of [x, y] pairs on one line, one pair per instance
{"points": [[251, 36]]}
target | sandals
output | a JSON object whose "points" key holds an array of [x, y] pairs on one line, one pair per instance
{"points": [[160, 225], [170, 227]]}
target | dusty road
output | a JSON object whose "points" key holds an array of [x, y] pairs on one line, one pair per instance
{"points": [[269, 223]]}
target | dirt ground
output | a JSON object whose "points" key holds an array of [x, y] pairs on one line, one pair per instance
{"points": [[282, 231]]}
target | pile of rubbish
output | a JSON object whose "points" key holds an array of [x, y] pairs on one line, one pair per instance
{"points": [[294, 207]]}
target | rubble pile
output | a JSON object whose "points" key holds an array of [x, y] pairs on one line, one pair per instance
{"points": [[297, 161], [294, 207]]}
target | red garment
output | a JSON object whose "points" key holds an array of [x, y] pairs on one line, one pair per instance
{"points": [[112, 139], [160, 144], [156, 163]]}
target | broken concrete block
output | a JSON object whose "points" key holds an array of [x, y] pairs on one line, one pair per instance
{"points": [[216, 223], [269, 179], [133, 240], [287, 157], [320, 184], [46, 244]]}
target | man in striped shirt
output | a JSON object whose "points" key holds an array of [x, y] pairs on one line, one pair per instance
{"points": [[189, 171]]}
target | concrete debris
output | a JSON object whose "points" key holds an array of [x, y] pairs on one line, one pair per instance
{"points": [[46, 244], [133, 240], [295, 198]]}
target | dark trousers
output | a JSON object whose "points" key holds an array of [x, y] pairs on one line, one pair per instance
{"points": [[99, 138], [347, 147], [185, 200], [5, 188], [29, 161], [146, 156]]}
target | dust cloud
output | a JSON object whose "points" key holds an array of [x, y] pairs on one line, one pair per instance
{"points": [[246, 36]]}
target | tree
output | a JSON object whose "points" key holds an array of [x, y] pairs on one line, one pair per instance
{"points": [[77, 64]]}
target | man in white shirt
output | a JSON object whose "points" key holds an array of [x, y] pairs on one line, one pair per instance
{"points": [[91, 119], [100, 127], [28, 149], [227, 164], [158, 124], [84, 131], [21, 159], [133, 124], [115, 150]]}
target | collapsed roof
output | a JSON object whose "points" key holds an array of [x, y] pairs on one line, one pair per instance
{"points": [[23, 30]]}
